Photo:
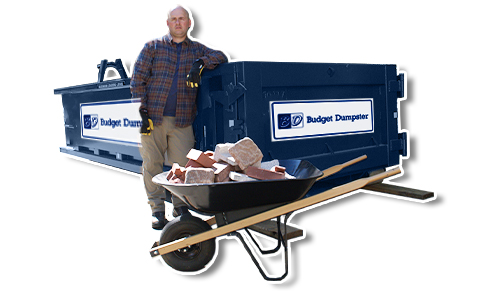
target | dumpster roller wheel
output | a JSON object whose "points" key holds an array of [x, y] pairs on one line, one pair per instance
{"points": [[194, 257]]}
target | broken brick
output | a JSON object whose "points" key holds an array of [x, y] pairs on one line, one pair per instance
{"points": [[176, 180], [201, 158], [199, 175], [193, 164], [235, 176], [263, 174], [170, 174], [222, 171], [176, 170], [221, 154], [246, 153]]}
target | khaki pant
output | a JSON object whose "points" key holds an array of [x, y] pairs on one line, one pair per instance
{"points": [[176, 143]]}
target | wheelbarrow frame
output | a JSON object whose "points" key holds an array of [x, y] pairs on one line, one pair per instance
{"points": [[286, 210]]}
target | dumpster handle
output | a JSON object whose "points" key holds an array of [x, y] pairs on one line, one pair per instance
{"points": [[118, 65]]}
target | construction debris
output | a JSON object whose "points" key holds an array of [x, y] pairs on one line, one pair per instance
{"points": [[229, 162]]}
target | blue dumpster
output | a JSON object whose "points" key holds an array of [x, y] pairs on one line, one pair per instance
{"points": [[321, 112], [102, 121]]}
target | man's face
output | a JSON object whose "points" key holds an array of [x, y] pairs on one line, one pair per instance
{"points": [[178, 23]]}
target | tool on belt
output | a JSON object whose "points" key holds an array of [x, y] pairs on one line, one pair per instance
{"points": [[147, 123]]}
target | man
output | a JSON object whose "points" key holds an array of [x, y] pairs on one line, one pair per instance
{"points": [[166, 76]]}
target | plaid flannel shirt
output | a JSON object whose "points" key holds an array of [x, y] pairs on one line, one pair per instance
{"points": [[153, 75]]}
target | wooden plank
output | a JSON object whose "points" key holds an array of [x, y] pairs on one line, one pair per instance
{"points": [[279, 211], [270, 228], [337, 168], [399, 191]]}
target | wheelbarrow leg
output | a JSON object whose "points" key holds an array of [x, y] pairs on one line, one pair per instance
{"points": [[278, 246], [282, 240]]}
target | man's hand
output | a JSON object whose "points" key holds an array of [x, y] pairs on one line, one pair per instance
{"points": [[147, 123], [194, 77]]}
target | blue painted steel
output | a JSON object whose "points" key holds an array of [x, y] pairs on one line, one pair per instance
{"points": [[234, 102], [121, 156]]}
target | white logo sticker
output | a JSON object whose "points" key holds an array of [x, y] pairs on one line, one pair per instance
{"points": [[317, 118], [113, 121]]}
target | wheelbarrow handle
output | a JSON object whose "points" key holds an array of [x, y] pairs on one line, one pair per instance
{"points": [[337, 168]]}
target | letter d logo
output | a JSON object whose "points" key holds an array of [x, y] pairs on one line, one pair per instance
{"points": [[297, 120]]}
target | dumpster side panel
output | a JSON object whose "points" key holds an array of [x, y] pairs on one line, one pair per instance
{"points": [[241, 105], [111, 153]]}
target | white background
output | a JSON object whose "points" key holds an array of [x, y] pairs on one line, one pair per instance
{"points": [[73, 230]]}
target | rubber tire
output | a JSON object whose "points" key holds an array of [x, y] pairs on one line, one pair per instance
{"points": [[195, 257]]}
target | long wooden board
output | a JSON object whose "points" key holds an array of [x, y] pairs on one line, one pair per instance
{"points": [[399, 191], [297, 205], [270, 228]]}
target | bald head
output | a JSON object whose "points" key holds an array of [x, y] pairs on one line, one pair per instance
{"points": [[181, 8], [179, 23]]}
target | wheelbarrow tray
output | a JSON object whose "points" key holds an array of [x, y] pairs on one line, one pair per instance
{"points": [[228, 196]]}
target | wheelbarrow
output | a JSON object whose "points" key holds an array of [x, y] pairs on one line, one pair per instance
{"points": [[187, 243]]}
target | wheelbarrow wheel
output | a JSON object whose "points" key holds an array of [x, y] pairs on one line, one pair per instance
{"points": [[191, 258]]}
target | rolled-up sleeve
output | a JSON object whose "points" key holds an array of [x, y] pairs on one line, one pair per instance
{"points": [[212, 58]]}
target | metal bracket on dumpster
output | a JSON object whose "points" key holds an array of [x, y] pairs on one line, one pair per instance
{"points": [[400, 144], [118, 65], [397, 85], [230, 95]]}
